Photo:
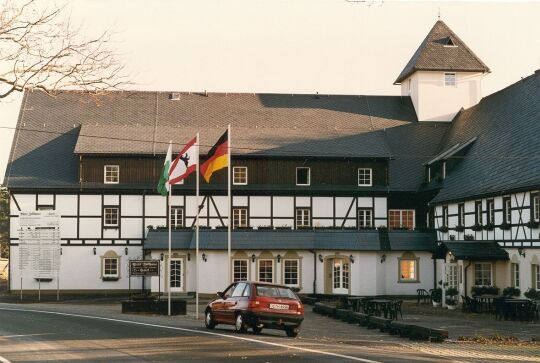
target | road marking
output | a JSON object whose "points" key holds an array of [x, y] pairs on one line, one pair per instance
{"points": [[308, 350], [4, 360]]}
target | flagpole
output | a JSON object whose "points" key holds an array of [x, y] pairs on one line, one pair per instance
{"points": [[229, 202], [197, 233], [169, 258]]}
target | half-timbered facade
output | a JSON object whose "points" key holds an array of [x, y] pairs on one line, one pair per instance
{"points": [[330, 194]]}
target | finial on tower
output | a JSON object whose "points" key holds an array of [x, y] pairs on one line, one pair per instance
{"points": [[439, 13]]}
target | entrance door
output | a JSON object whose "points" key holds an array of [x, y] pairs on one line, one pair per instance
{"points": [[340, 276], [176, 275]]}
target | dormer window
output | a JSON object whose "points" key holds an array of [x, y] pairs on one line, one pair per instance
{"points": [[111, 174], [449, 42], [450, 79], [303, 176]]}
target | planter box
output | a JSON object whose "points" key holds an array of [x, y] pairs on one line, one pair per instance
{"points": [[178, 307], [308, 300], [342, 314], [416, 332], [324, 309], [358, 318]]}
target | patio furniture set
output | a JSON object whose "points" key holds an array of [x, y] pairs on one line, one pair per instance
{"points": [[388, 308]]}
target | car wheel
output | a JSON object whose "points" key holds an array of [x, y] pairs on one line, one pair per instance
{"points": [[257, 330], [292, 332], [239, 325], [209, 321]]}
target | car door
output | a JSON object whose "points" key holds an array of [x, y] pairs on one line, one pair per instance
{"points": [[231, 304], [220, 305]]}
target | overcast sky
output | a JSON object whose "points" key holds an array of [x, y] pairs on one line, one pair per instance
{"points": [[301, 46]]}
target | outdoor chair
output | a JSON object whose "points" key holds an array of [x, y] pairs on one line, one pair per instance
{"points": [[395, 309], [469, 304], [424, 296]]}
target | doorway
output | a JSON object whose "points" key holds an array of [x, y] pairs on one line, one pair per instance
{"points": [[340, 276], [176, 276]]}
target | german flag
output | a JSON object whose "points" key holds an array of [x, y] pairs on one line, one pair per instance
{"points": [[217, 157]]}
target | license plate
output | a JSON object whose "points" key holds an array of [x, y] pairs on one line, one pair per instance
{"points": [[279, 306]]}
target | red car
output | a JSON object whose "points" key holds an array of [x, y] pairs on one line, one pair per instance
{"points": [[256, 305]]}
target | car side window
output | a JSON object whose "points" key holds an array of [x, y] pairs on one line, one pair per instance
{"points": [[229, 291], [239, 289], [247, 291]]}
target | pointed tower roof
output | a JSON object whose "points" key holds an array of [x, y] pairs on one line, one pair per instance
{"points": [[442, 50]]}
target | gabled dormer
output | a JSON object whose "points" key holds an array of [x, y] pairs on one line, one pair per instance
{"points": [[442, 76]]}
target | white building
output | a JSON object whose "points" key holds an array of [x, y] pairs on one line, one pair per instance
{"points": [[331, 194]]}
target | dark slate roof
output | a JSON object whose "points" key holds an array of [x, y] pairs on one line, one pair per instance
{"points": [[367, 240], [435, 55], [472, 250], [52, 130], [506, 154]]}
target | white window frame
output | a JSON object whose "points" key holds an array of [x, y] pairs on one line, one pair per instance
{"points": [[452, 275], [448, 82], [461, 215], [111, 275], [478, 213], [246, 261], [415, 269], [237, 171], [515, 274], [401, 219], [259, 269], [507, 210], [297, 272], [240, 214], [537, 272], [536, 208], [370, 177], [364, 218], [444, 222], [105, 224], [174, 216], [114, 168], [308, 175], [483, 271], [302, 217], [490, 205]]}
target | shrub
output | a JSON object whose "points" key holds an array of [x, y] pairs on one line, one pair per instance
{"points": [[532, 294], [436, 295], [511, 291]]}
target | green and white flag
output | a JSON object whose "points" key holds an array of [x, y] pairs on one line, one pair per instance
{"points": [[163, 185]]}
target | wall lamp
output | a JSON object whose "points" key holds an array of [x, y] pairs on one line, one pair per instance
{"points": [[320, 258], [189, 256], [253, 258], [383, 258], [126, 250], [521, 252], [278, 258], [204, 257], [161, 257], [351, 257], [94, 250]]}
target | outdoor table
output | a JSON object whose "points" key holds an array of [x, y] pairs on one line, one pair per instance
{"points": [[355, 301], [486, 300], [382, 305]]}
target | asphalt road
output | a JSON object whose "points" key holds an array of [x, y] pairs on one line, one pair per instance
{"points": [[51, 333]]}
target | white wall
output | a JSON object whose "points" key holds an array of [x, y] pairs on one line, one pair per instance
{"points": [[433, 101]]}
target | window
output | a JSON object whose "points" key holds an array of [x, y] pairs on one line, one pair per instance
{"points": [[291, 272], [365, 218], [303, 218], [408, 269], [240, 270], [535, 207], [461, 215], [482, 274], [239, 290], [449, 79], [239, 217], [445, 216], [365, 177], [112, 174], [515, 274], [177, 217], [507, 206], [110, 267], [240, 175], [401, 218], [452, 275], [490, 212], [449, 42], [110, 217], [478, 213], [266, 271], [303, 176]]}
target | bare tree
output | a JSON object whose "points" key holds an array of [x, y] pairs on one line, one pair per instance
{"points": [[40, 49]]}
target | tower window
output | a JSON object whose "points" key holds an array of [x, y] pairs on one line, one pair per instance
{"points": [[450, 42], [450, 79]]}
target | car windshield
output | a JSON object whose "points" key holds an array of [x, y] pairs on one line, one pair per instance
{"points": [[275, 291]]}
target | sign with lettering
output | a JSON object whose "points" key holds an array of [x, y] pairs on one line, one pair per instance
{"points": [[39, 243], [143, 268]]}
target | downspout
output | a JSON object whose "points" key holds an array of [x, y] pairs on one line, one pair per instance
{"points": [[435, 273], [314, 271], [465, 277]]}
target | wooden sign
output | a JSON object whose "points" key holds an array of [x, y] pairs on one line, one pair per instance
{"points": [[143, 268]]}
